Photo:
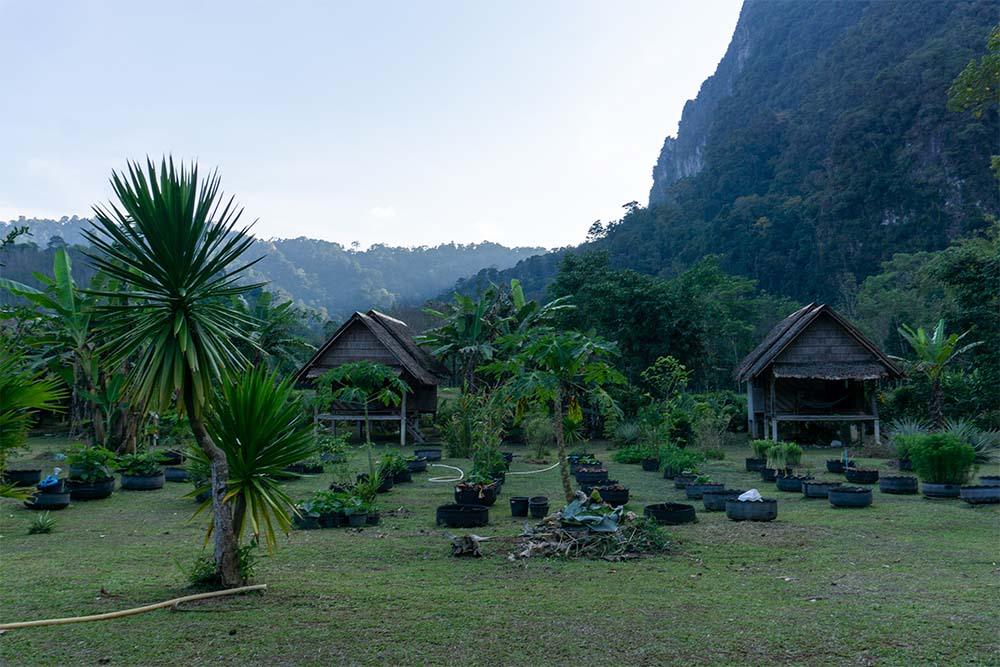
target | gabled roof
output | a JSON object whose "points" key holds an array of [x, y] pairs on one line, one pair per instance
{"points": [[786, 331], [395, 336]]}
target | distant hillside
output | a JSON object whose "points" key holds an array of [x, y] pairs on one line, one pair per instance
{"points": [[315, 274], [820, 147]]}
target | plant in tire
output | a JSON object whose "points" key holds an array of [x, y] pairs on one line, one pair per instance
{"points": [[260, 425], [173, 245], [941, 458], [140, 464]]}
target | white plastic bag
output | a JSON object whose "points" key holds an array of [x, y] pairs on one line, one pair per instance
{"points": [[753, 495]]}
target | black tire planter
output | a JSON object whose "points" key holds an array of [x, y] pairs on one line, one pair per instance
{"points": [[402, 477], [814, 489], [575, 468], [850, 496], [428, 454], [651, 465], [171, 457], [306, 522], [769, 475], [754, 464], [980, 495], [22, 477], [519, 506], [330, 520], [905, 464], [374, 519], [305, 469], [750, 510], [836, 466], [80, 490], [614, 497], [670, 514], [861, 476], [538, 506], [940, 490], [176, 475], [463, 516], [417, 466], [989, 480], [681, 481], [203, 496], [48, 501], [58, 487], [697, 491], [587, 489], [715, 501], [486, 497], [136, 483], [899, 485], [591, 477], [791, 483], [508, 458], [357, 520]]}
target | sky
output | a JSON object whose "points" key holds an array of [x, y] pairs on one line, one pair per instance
{"points": [[404, 123]]}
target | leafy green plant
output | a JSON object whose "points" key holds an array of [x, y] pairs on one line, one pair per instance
{"points": [[90, 463], [627, 434], [22, 393], [760, 448], [984, 442], [634, 453], [942, 458], [393, 462], [333, 447], [203, 574], [539, 432], [259, 424], [42, 524], [703, 479], [676, 460], [139, 464]]}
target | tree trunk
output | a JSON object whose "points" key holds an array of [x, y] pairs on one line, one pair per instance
{"points": [[225, 544], [561, 447], [937, 404]]}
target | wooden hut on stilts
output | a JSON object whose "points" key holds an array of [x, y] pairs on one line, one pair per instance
{"points": [[814, 366]]}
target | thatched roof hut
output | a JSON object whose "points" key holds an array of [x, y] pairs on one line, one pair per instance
{"points": [[377, 337], [813, 366]]}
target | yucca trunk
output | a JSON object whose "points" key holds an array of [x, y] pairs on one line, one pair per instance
{"points": [[937, 404], [561, 447], [224, 532]]}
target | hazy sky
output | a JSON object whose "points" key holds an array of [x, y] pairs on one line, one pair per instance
{"points": [[406, 123]]}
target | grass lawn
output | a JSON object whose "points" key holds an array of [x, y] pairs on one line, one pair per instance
{"points": [[908, 581]]}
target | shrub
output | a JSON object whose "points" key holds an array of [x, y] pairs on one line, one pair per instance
{"points": [[678, 460], [904, 444], [942, 458], [90, 464], [539, 432], [627, 434], [42, 524], [202, 572], [139, 464], [634, 453], [760, 448]]}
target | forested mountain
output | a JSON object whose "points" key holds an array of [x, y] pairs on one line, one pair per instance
{"points": [[821, 147], [319, 275]]}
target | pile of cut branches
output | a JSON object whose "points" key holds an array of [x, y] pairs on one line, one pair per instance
{"points": [[635, 536]]}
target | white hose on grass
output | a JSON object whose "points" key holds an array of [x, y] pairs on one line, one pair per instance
{"points": [[461, 474]]}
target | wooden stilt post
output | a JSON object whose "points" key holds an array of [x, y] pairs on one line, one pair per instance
{"points": [[402, 422]]}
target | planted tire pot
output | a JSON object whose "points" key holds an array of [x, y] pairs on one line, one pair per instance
{"points": [[587, 489], [750, 510], [203, 496], [428, 454], [670, 514], [22, 477], [357, 520], [980, 495], [306, 522], [814, 489], [697, 491], [80, 490], [590, 476], [791, 483], [330, 520], [850, 496], [374, 519], [176, 475], [519, 506], [861, 475], [143, 483], [616, 495], [575, 468], [715, 501], [305, 469], [905, 464], [989, 480], [651, 465], [463, 516], [940, 490], [754, 464], [48, 501], [899, 484], [681, 481], [538, 506], [171, 457], [383, 487], [418, 465], [402, 477], [836, 466], [476, 495], [769, 475]]}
